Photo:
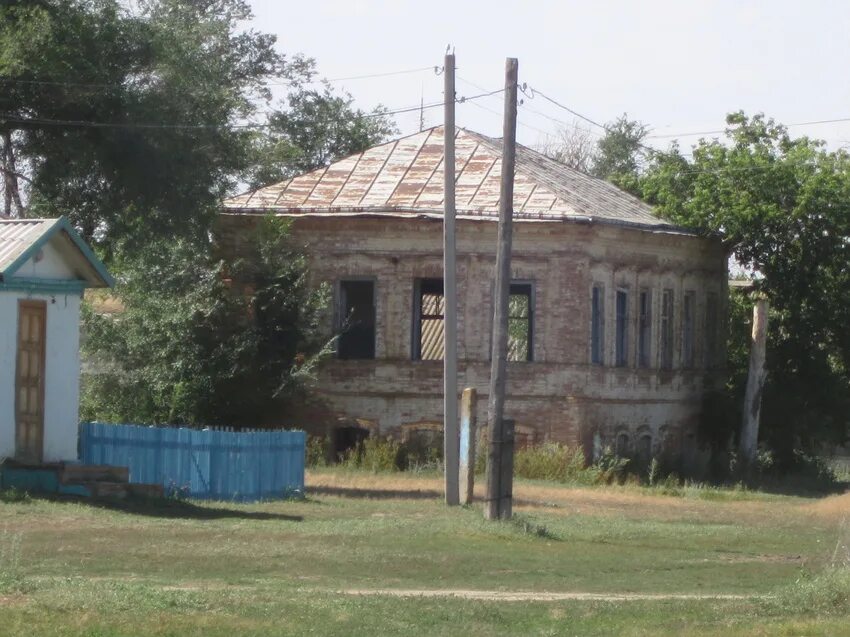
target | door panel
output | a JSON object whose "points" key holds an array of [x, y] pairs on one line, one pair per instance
{"points": [[29, 381]]}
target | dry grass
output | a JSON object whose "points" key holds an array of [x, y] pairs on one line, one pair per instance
{"points": [[627, 502]]}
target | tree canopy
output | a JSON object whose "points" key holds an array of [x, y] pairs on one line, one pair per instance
{"points": [[783, 208], [135, 122]]}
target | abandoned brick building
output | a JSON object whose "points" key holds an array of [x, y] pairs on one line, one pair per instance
{"points": [[617, 318]]}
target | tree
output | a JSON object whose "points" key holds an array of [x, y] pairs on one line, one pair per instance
{"points": [[312, 128], [619, 153], [576, 147], [783, 206], [201, 342], [128, 121]]}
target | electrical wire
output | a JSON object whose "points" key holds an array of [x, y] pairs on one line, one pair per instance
{"points": [[96, 85], [718, 132], [38, 121]]}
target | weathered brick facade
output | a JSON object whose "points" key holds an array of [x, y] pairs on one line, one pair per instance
{"points": [[559, 395]]}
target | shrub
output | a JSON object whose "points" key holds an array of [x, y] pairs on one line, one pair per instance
{"points": [[826, 593], [374, 454], [318, 451], [549, 461], [562, 463]]}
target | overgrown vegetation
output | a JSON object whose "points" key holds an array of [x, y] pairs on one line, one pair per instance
{"points": [[201, 343], [564, 464]]}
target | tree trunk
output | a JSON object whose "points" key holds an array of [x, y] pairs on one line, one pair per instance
{"points": [[748, 443], [11, 192]]}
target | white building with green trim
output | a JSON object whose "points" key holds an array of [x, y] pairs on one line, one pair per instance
{"points": [[44, 268]]}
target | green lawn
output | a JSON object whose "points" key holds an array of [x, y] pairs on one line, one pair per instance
{"points": [[313, 567]]}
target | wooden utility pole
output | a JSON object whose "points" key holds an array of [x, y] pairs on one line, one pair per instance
{"points": [[451, 434], [756, 376], [498, 504]]}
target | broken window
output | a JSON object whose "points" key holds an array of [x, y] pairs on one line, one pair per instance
{"points": [[597, 325], [711, 327], [520, 322], [356, 320], [429, 314], [644, 328], [688, 310], [622, 329], [667, 329]]}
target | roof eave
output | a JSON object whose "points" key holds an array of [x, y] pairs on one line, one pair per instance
{"points": [[437, 213]]}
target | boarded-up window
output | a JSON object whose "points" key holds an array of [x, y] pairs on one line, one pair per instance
{"points": [[357, 320], [597, 325], [429, 313], [520, 323], [711, 329], [622, 329], [644, 328], [688, 336], [667, 329]]}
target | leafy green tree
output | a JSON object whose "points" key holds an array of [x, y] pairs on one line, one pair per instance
{"points": [[619, 154], [783, 206], [312, 128], [201, 342], [125, 120]]}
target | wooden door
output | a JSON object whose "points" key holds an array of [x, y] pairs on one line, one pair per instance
{"points": [[29, 381]]}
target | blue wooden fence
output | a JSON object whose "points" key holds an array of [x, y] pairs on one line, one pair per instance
{"points": [[219, 465]]}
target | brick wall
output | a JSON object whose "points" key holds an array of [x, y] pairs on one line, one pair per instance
{"points": [[560, 395]]}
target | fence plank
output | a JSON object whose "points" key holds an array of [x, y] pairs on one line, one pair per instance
{"points": [[211, 463]]}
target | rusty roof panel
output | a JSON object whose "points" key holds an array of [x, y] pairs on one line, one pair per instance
{"points": [[406, 175], [403, 156], [332, 182], [370, 163], [297, 191]]}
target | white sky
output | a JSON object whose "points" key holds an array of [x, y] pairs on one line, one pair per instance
{"points": [[678, 66]]}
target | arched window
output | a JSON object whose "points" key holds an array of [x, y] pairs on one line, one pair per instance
{"points": [[623, 444], [644, 447]]}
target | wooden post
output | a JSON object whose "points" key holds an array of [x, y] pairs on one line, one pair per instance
{"points": [[748, 444], [467, 444], [507, 477], [450, 425], [498, 366]]}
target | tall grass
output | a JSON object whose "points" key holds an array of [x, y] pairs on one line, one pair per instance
{"points": [[562, 463]]}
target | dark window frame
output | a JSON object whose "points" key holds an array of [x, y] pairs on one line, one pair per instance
{"points": [[597, 324], [644, 329], [666, 329], [341, 316], [523, 288], [712, 330], [689, 335], [621, 327], [431, 284]]}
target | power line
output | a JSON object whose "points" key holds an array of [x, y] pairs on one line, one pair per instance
{"points": [[39, 121], [104, 85], [531, 93], [718, 132]]}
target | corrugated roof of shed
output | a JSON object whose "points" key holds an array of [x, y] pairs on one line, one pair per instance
{"points": [[17, 235], [404, 177]]}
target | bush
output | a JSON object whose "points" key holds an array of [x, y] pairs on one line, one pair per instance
{"points": [[562, 463], [318, 451], [826, 593], [375, 454], [550, 461]]}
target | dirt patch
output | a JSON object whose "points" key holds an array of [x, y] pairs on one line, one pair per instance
{"points": [[535, 596]]}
